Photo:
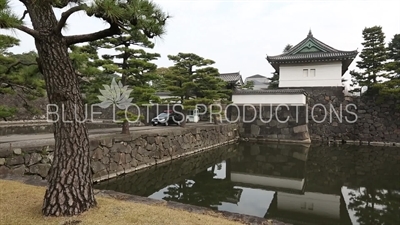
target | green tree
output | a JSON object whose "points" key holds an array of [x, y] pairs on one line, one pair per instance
{"points": [[135, 67], [159, 83], [391, 87], [248, 85], [84, 59], [274, 80], [194, 81], [70, 188], [287, 48], [19, 75], [394, 55], [373, 59]]}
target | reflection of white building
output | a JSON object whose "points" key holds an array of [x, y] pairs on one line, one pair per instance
{"points": [[291, 199], [292, 202]]}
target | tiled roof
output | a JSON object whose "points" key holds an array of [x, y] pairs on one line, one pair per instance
{"points": [[269, 92], [231, 77], [311, 49], [257, 76]]}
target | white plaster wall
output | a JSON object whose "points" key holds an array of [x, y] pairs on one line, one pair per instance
{"points": [[268, 181], [269, 99], [326, 75], [260, 86], [311, 203]]}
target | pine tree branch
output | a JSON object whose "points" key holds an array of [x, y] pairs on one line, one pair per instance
{"points": [[16, 64], [23, 15], [75, 39], [28, 30], [65, 15]]}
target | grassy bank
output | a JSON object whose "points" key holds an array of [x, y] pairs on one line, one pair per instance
{"points": [[20, 204]]}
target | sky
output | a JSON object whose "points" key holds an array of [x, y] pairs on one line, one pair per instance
{"points": [[238, 35]]}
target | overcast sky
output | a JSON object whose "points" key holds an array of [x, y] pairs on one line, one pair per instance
{"points": [[238, 35]]}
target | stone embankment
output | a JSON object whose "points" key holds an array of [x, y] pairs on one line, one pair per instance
{"points": [[117, 154]]}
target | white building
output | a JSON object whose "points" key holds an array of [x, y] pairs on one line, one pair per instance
{"points": [[259, 82], [312, 63]]}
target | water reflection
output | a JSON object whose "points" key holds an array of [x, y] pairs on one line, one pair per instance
{"points": [[290, 183]]}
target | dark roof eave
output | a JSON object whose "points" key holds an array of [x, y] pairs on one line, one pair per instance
{"points": [[300, 60], [270, 92]]}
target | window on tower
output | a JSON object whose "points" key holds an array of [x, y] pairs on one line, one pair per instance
{"points": [[305, 72]]}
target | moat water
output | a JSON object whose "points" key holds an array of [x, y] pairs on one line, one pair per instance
{"points": [[291, 183]]}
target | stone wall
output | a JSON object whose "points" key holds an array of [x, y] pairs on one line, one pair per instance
{"points": [[119, 154], [272, 123], [155, 178], [372, 121], [328, 116]]}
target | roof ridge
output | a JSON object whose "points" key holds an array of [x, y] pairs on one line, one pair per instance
{"points": [[310, 37]]}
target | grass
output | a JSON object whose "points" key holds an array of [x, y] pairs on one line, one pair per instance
{"points": [[20, 204]]}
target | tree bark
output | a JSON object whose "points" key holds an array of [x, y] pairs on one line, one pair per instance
{"points": [[183, 124], [69, 191], [125, 124], [125, 127]]}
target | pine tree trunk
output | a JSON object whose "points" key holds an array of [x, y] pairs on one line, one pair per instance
{"points": [[183, 124], [215, 119], [69, 191], [125, 127]]}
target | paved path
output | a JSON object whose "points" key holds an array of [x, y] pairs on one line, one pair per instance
{"points": [[19, 140], [27, 137]]}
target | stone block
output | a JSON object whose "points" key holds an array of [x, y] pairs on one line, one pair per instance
{"points": [[17, 160], [33, 158], [107, 141], [4, 153], [97, 153], [40, 169], [285, 131], [282, 124], [301, 128], [2, 161], [4, 171], [98, 166], [17, 151], [93, 144], [272, 136], [255, 130], [19, 170]]}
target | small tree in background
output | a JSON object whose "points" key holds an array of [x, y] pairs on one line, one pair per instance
{"points": [[249, 85], [193, 81], [274, 80], [159, 83], [373, 59], [391, 87], [287, 48], [135, 67]]}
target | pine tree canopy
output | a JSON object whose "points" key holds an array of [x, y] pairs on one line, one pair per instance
{"points": [[19, 75]]}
